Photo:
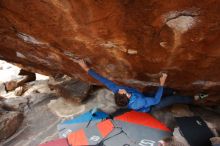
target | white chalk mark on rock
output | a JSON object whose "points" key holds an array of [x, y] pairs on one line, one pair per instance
{"points": [[41, 61], [113, 45], [109, 45], [175, 14], [206, 84], [20, 55], [132, 52], [30, 39], [182, 24], [164, 44], [138, 82]]}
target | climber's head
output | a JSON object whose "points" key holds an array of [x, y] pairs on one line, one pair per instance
{"points": [[122, 98]]}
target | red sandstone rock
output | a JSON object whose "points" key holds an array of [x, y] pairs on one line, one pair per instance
{"points": [[9, 123], [28, 77], [11, 85], [75, 91], [19, 91], [126, 40]]}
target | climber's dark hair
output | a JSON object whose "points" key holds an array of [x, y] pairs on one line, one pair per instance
{"points": [[121, 99]]}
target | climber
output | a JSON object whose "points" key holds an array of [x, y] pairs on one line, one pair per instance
{"points": [[132, 98]]}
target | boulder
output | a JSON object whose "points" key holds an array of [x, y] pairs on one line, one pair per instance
{"points": [[39, 86], [16, 103], [19, 91], [27, 77], [2, 89], [21, 103], [10, 121], [72, 90], [128, 41], [11, 85], [181, 110], [102, 99]]}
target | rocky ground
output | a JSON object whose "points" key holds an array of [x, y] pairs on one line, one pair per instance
{"points": [[30, 112], [32, 117]]}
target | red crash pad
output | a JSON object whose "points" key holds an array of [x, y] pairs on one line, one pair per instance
{"points": [[57, 142]]}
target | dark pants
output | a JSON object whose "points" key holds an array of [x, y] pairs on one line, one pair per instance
{"points": [[171, 98]]}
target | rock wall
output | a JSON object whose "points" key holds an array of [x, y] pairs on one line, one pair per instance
{"points": [[129, 41]]}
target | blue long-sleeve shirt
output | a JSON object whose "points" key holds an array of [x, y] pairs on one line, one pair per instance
{"points": [[137, 101]]}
